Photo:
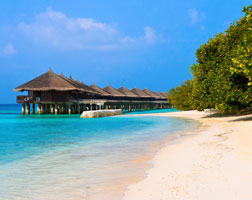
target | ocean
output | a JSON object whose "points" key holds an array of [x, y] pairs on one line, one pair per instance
{"points": [[64, 157]]}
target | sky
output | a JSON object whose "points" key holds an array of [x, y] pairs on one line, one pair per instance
{"points": [[143, 43]]}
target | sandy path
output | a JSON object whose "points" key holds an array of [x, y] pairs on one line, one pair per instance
{"points": [[214, 164]]}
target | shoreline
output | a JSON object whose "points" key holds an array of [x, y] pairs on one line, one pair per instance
{"points": [[216, 163]]}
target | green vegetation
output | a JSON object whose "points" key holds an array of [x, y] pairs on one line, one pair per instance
{"points": [[222, 76], [180, 97]]}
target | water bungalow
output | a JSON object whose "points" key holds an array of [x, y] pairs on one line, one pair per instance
{"points": [[57, 94]]}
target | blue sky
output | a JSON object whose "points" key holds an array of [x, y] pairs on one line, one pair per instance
{"points": [[143, 43]]}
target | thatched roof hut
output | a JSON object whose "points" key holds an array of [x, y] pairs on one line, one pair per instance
{"points": [[140, 93], [99, 90], [48, 81], [78, 84], [164, 94], [113, 91], [159, 95], [127, 92], [147, 91]]}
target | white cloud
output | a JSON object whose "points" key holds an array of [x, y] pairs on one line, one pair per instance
{"points": [[196, 16], [55, 29], [7, 50], [150, 35]]}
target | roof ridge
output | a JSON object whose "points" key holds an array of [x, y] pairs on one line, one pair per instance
{"points": [[99, 90], [114, 91], [50, 70], [47, 81]]}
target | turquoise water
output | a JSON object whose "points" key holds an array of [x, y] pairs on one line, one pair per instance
{"points": [[66, 157]]}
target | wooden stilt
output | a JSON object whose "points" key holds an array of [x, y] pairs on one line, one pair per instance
{"points": [[69, 109], [27, 108], [62, 109], [23, 108], [42, 110], [51, 108], [56, 111], [33, 108], [39, 109]]}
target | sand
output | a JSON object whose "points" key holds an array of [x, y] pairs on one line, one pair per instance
{"points": [[215, 163]]}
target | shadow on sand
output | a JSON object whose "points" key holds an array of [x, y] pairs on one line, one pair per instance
{"points": [[243, 116]]}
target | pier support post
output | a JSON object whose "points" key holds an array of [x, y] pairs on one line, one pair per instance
{"points": [[52, 109], [23, 108], [48, 108], [62, 109], [69, 110], [45, 109], [56, 111], [27, 108], [33, 108], [59, 109], [39, 108], [42, 109]]}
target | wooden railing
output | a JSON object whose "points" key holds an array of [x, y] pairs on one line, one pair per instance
{"points": [[24, 99]]}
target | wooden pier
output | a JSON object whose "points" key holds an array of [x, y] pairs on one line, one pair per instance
{"points": [[57, 94]]}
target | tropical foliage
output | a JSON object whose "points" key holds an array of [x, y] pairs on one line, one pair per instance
{"points": [[222, 74], [180, 97]]}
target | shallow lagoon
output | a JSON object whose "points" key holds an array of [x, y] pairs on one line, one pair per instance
{"points": [[66, 157]]}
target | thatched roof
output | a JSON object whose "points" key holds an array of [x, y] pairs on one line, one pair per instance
{"points": [[147, 91], [140, 93], [47, 81], [113, 91], [51, 81], [78, 84], [164, 94], [127, 92], [159, 95], [99, 90]]}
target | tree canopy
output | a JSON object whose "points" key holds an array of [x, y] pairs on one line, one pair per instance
{"points": [[222, 74], [180, 97]]}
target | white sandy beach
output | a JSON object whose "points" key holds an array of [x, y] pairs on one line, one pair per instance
{"points": [[215, 163]]}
